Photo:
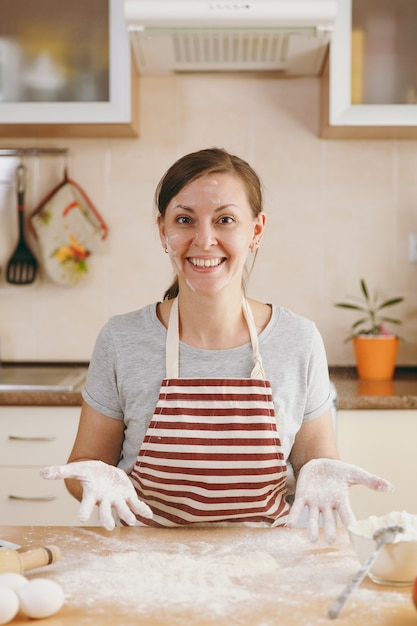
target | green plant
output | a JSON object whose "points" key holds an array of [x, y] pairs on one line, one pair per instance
{"points": [[373, 322]]}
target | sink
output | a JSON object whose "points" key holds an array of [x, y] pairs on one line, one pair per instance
{"points": [[41, 377]]}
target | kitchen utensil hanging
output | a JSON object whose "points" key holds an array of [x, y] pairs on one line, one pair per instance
{"points": [[22, 266], [69, 229]]}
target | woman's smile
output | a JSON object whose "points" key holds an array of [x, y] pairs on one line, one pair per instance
{"points": [[206, 263]]}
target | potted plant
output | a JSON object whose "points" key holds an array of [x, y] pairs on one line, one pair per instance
{"points": [[375, 346]]}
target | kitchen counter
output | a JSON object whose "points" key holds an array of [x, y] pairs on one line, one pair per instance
{"points": [[400, 393], [63, 395], [41, 398], [355, 394], [206, 577]]}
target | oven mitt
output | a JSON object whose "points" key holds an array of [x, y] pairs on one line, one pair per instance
{"points": [[69, 229]]}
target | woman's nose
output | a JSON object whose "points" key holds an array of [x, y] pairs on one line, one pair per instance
{"points": [[204, 237]]}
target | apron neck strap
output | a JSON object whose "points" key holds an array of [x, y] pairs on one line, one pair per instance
{"points": [[258, 370], [173, 342], [172, 353]]}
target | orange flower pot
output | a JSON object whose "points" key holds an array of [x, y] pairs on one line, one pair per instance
{"points": [[375, 356]]}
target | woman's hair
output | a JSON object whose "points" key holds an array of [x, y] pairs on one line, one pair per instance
{"points": [[197, 164]]}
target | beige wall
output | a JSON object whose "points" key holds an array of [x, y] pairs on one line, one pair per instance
{"points": [[337, 211]]}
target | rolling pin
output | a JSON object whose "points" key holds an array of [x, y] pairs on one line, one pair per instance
{"points": [[19, 562]]}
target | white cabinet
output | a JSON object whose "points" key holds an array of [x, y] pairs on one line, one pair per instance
{"points": [[32, 438], [369, 89], [67, 72], [384, 443]]}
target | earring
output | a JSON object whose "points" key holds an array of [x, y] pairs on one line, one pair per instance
{"points": [[254, 245], [166, 249]]}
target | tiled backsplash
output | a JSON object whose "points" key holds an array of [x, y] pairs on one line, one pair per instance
{"points": [[337, 211]]}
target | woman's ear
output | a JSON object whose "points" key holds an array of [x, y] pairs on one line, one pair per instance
{"points": [[258, 230]]}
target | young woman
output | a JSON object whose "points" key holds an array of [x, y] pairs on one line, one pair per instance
{"points": [[205, 407]]}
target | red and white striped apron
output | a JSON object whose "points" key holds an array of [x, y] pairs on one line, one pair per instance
{"points": [[212, 452]]}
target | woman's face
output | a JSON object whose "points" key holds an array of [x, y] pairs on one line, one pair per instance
{"points": [[208, 229]]}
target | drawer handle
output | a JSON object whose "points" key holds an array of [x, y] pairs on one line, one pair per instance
{"points": [[32, 498], [23, 438]]}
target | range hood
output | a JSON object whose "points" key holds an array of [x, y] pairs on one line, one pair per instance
{"points": [[286, 36]]}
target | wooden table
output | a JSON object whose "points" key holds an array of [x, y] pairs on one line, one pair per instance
{"points": [[206, 577]]}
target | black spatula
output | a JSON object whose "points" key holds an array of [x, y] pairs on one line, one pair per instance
{"points": [[22, 266]]}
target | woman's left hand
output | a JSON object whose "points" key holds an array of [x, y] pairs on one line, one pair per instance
{"points": [[322, 487]]}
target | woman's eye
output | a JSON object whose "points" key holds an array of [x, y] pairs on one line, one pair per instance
{"points": [[183, 219], [226, 219]]}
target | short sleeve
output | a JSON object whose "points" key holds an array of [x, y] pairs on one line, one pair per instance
{"points": [[100, 390], [318, 398]]}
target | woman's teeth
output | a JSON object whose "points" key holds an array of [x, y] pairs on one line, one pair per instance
{"points": [[205, 262]]}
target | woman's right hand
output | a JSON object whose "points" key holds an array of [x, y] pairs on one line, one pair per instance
{"points": [[103, 485]]}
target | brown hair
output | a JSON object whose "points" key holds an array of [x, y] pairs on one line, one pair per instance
{"points": [[197, 164]]}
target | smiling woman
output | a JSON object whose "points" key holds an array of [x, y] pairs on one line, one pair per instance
{"points": [[208, 229], [230, 192], [210, 403]]}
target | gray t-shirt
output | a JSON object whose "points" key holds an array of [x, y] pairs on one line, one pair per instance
{"points": [[128, 366]]}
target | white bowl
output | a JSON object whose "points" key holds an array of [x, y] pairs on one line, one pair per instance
{"points": [[396, 563]]}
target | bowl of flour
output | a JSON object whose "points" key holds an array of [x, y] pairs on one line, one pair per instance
{"points": [[396, 563]]}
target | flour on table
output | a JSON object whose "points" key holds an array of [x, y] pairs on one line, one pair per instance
{"points": [[148, 578], [188, 567], [215, 583]]}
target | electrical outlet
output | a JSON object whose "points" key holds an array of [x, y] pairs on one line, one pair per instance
{"points": [[412, 247]]}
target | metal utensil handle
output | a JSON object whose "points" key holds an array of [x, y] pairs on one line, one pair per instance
{"points": [[21, 182], [21, 186], [340, 601]]}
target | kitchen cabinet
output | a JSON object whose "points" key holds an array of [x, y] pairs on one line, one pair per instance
{"points": [[66, 73], [382, 442], [31, 438], [369, 85]]}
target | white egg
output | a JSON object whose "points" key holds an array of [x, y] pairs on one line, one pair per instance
{"points": [[41, 597], [9, 604], [12, 580]]}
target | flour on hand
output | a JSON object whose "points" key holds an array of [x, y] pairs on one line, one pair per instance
{"points": [[104, 485], [322, 487]]}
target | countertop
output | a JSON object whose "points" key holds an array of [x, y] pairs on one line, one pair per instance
{"points": [[206, 577], [353, 394], [356, 394], [41, 397]]}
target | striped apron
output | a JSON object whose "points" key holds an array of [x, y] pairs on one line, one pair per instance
{"points": [[212, 452]]}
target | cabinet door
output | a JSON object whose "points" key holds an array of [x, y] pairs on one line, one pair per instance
{"points": [[66, 72], [370, 87], [37, 436], [26, 499], [382, 442], [31, 438]]}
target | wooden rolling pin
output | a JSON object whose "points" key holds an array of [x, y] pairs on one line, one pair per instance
{"points": [[19, 562]]}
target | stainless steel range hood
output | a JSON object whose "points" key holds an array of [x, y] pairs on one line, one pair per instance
{"points": [[286, 36]]}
